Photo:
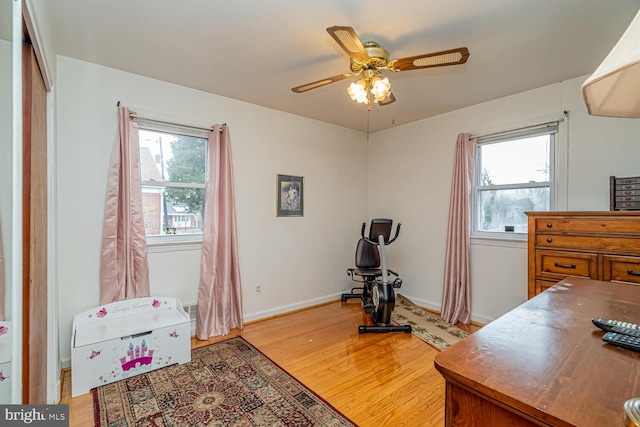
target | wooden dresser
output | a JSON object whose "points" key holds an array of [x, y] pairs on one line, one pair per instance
{"points": [[599, 245]]}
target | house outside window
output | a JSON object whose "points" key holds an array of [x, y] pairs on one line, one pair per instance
{"points": [[172, 168], [513, 174]]}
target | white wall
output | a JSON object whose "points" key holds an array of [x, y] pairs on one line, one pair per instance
{"points": [[6, 168], [410, 180], [297, 261]]}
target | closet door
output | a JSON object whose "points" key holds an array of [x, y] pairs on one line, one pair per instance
{"points": [[34, 231]]}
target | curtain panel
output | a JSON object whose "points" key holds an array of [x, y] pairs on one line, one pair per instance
{"points": [[2, 279], [456, 298], [219, 291], [124, 272]]}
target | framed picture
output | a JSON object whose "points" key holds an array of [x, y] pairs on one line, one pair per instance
{"points": [[290, 191]]}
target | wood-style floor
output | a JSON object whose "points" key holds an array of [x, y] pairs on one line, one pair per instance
{"points": [[374, 379]]}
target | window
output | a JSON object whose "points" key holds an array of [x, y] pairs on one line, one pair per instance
{"points": [[513, 174], [172, 169]]}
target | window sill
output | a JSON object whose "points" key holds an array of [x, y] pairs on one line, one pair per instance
{"points": [[516, 240], [172, 244]]}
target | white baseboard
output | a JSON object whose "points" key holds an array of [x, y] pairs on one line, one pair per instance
{"points": [[259, 315], [250, 317], [55, 394]]}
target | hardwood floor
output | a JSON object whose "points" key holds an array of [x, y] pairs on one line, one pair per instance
{"points": [[374, 379]]}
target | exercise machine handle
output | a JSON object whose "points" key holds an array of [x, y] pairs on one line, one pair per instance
{"points": [[396, 236]]}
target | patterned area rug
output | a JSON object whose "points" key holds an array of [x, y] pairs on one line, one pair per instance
{"points": [[425, 325], [229, 383]]}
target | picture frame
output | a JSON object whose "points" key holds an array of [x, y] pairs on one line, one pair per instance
{"points": [[290, 199]]}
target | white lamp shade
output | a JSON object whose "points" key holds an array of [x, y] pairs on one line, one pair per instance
{"points": [[613, 90]]}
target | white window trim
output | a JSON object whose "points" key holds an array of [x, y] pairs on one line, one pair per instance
{"points": [[559, 184], [171, 184], [514, 240], [561, 165], [159, 244]]}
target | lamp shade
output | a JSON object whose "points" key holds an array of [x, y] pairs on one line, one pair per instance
{"points": [[613, 90]]}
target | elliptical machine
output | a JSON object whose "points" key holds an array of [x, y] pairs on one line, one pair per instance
{"points": [[377, 294]]}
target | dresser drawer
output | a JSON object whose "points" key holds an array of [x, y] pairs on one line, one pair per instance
{"points": [[627, 204], [587, 225], [627, 181], [556, 265], [613, 243], [621, 269], [628, 198], [628, 186]]}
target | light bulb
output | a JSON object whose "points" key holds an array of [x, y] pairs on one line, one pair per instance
{"points": [[380, 88], [358, 91]]}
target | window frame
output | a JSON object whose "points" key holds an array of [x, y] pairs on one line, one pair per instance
{"points": [[550, 128], [182, 130]]}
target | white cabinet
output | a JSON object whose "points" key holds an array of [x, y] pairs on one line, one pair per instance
{"points": [[6, 333]]}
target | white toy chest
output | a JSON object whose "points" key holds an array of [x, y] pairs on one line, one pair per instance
{"points": [[5, 361], [127, 338]]}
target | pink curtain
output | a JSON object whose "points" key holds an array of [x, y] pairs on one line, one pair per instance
{"points": [[456, 299], [220, 292], [124, 272], [1, 279]]}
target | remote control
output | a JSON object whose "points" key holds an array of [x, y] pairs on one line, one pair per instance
{"points": [[608, 324], [626, 331], [621, 340]]}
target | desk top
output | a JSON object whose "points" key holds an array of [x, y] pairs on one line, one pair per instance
{"points": [[546, 359]]}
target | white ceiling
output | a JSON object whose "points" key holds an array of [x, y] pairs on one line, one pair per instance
{"points": [[256, 51]]}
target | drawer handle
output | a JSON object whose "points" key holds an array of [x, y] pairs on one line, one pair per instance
{"points": [[549, 225], [549, 240], [141, 334], [633, 273], [572, 266]]}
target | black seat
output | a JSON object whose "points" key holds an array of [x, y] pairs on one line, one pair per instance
{"points": [[376, 294], [367, 259]]}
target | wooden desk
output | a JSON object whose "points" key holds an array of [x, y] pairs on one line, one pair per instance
{"points": [[544, 363]]}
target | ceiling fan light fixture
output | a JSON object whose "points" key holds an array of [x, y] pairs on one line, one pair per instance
{"points": [[380, 88], [358, 91], [368, 60]]}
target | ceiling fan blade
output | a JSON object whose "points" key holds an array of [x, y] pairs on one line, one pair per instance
{"points": [[320, 83], [388, 100], [429, 60], [348, 40]]}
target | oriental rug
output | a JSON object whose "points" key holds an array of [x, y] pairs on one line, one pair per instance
{"points": [[424, 325], [229, 383]]}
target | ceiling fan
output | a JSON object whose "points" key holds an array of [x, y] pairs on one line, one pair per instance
{"points": [[369, 60]]}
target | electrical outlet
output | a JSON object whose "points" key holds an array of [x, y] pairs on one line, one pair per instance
{"points": [[258, 289]]}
